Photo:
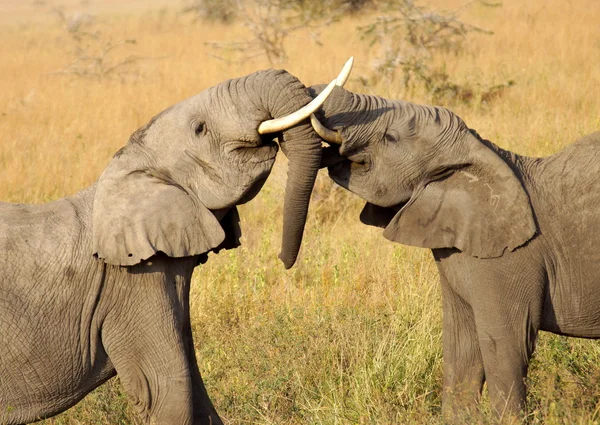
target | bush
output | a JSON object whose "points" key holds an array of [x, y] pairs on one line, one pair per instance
{"points": [[223, 11], [95, 54], [410, 38], [271, 22]]}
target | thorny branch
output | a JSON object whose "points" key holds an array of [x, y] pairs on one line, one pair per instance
{"points": [[410, 36], [271, 22], [95, 55]]}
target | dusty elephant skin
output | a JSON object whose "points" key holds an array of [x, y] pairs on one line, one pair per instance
{"points": [[515, 239], [97, 284]]}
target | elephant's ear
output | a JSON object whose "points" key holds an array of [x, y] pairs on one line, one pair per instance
{"points": [[139, 213], [233, 231], [482, 210]]}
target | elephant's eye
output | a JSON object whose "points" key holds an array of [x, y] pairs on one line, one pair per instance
{"points": [[357, 156], [390, 137], [199, 128], [360, 161]]}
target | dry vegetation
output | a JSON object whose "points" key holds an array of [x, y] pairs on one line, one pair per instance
{"points": [[352, 334]]}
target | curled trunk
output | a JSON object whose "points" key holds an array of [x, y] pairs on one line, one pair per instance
{"points": [[281, 94], [304, 153]]}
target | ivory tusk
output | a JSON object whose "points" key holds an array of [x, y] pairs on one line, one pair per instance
{"points": [[326, 134], [345, 73], [283, 123]]}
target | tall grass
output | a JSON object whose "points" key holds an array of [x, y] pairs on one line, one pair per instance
{"points": [[352, 334]]}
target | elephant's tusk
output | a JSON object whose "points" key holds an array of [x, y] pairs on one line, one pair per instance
{"points": [[345, 73], [326, 134], [283, 123]]}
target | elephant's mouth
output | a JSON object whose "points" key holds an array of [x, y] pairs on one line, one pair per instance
{"points": [[331, 157], [261, 159], [338, 166], [265, 153], [253, 190]]}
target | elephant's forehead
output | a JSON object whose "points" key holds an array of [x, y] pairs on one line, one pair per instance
{"points": [[238, 128], [225, 118], [211, 107]]}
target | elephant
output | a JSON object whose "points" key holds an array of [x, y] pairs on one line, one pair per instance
{"points": [[514, 238], [97, 284]]}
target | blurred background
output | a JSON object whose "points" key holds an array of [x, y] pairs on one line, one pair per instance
{"points": [[352, 334]]}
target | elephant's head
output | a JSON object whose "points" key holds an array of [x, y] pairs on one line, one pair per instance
{"points": [[427, 179], [173, 188]]}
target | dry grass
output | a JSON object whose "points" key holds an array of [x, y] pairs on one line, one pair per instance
{"points": [[352, 334]]}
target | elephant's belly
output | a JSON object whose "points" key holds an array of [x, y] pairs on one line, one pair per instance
{"points": [[46, 364], [25, 398], [573, 308]]}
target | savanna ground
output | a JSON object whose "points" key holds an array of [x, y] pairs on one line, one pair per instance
{"points": [[352, 334]]}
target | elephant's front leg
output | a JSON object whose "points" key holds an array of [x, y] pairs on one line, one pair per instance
{"points": [[463, 365], [506, 362], [143, 339], [154, 372], [507, 333], [204, 411]]}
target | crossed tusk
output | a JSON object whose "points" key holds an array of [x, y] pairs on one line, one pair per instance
{"points": [[345, 73], [283, 123], [326, 134]]}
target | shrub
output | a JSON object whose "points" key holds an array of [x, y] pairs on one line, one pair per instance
{"points": [[410, 38]]}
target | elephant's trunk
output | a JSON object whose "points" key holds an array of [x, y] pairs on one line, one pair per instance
{"points": [[304, 153], [282, 94]]}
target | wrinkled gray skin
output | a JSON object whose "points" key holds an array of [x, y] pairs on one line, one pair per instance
{"points": [[98, 283], [515, 238]]}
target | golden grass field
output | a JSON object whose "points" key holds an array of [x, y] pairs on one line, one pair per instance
{"points": [[352, 334]]}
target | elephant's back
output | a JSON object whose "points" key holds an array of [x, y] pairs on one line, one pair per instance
{"points": [[44, 249], [571, 177], [572, 163], [566, 199], [45, 230]]}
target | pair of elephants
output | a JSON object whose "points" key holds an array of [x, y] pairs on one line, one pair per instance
{"points": [[98, 283]]}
